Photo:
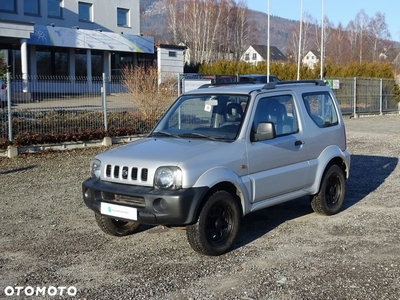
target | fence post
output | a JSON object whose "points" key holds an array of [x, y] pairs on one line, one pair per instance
{"points": [[380, 97], [10, 133], [355, 98], [104, 100], [179, 84]]}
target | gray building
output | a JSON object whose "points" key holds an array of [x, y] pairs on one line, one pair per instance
{"points": [[71, 37]]}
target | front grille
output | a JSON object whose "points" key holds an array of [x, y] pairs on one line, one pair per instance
{"points": [[126, 173], [136, 201], [134, 173], [144, 175], [132, 200]]}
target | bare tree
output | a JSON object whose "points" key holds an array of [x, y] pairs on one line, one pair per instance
{"points": [[337, 46], [307, 38], [328, 26], [361, 23], [379, 32], [241, 30], [172, 19], [208, 27]]}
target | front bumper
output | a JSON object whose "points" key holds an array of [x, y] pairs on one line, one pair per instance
{"points": [[154, 206]]}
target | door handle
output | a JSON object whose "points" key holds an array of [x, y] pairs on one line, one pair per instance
{"points": [[298, 143]]}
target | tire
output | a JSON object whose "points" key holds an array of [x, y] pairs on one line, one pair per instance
{"points": [[330, 198], [116, 227], [217, 226]]}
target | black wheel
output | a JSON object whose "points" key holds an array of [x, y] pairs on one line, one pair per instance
{"points": [[116, 227], [217, 226], [330, 198]]}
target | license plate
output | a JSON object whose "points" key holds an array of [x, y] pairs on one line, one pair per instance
{"points": [[118, 211]]}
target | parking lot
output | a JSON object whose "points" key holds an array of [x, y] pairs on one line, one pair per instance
{"points": [[49, 239]]}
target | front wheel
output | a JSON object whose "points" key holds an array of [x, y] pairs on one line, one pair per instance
{"points": [[217, 227], [330, 198], [116, 227]]}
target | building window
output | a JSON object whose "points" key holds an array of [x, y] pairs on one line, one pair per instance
{"points": [[51, 61], [32, 7], [54, 8], [247, 56], [172, 54], [9, 6], [123, 17], [85, 11], [254, 56]]}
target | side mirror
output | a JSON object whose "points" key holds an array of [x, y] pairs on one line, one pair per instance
{"points": [[265, 131]]}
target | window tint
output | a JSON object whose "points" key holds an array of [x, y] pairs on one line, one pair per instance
{"points": [[280, 111], [122, 17], [321, 108], [31, 7], [8, 5], [54, 8], [85, 11]]}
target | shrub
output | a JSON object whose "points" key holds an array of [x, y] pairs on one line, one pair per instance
{"points": [[150, 99]]}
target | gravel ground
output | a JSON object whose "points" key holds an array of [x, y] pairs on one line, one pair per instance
{"points": [[49, 238]]}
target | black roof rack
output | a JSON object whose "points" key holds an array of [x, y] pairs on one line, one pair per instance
{"points": [[207, 85], [272, 85], [269, 85]]}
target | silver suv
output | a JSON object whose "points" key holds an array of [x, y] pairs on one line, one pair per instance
{"points": [[222, 152]]}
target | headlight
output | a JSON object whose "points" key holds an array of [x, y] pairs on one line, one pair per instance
{"points": [[168, 178], [95, 170]]}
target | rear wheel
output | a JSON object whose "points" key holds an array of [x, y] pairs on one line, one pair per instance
{"points": [[330, 198], [116, 227], [217, 227]]}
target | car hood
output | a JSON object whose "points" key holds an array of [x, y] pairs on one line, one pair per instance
{"points": [[155, 152]]}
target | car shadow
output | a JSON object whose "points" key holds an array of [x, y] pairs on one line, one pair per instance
{"points": [[367, 173]]}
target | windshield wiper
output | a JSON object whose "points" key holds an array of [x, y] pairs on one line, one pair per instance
{"points": [[197, 135], [164, 133]]}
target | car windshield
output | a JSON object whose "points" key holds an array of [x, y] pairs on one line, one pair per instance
{"points": [[214, 117]]}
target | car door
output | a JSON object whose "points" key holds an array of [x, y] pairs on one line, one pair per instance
{"points": [[278, 166]]}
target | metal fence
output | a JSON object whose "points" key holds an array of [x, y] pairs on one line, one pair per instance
{"points": [[59, 109], [366, 95]]}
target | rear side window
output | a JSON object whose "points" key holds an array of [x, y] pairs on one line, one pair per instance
{"points": [[321, 108]]}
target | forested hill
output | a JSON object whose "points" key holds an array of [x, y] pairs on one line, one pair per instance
{"points": [[154, 23]]}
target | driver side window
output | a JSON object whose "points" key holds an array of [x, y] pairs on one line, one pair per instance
{"points": [[280, 111]]}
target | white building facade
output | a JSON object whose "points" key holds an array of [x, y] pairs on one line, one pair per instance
{"points": [[170, 62], [72, 37], [311, 59]]}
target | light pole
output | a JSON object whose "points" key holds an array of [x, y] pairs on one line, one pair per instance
{"points": [[300, 34], [322, 42], [268, 48]]}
